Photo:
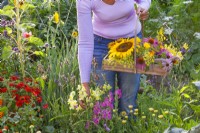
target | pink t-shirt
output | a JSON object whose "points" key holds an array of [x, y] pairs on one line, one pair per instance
{"points": [[109, 21]]}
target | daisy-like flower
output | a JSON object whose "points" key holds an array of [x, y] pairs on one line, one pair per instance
{"points": [[140, 63], [160, 116], [146, 45], [74, 34], [152, 41], [167, 64]]}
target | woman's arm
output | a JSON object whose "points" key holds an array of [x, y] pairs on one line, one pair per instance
{"points": [[85, 40], [144, 4]]}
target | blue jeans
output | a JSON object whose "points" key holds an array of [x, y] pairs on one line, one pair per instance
{"points": [[129, 83]]}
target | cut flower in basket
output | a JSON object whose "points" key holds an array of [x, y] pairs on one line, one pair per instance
{"points": [[147, 55]]}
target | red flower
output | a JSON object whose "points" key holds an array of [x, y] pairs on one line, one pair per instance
{"points": [[27, 88], [1, 131], [39, 99], [19, 103], [1, 79], [45, 106], [20, 85], [3, 90], [27, 99], [12, 84], [14, 78], [36, 92]]}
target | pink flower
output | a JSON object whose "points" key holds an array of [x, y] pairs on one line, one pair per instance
{"points": [[118, 92], [45, 106], [27, 34]]}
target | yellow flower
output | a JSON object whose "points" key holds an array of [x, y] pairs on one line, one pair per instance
{"points": [[82, 92], [147, 45], [56, 17], [123, 113], [166, 112], [152, 53], [144, 117], [135, 113], [97, 93], [153, 115], [74, 34], [72, 103], [131, 111], [114, 110], [123, 49], [123, 121], [151, 109], [126, 117], [185, 46], [136, 110], [160, 116], [79, 108], [130, 106], [20, 3], [31, 126], [155, 111]]}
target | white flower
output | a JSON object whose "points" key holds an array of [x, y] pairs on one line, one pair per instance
{"points": [[197, 35], [168, 18], [38, 132], [187, 2], [168, 31]]}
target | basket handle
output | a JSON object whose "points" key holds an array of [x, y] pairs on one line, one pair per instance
{"points": [[135, 36]]}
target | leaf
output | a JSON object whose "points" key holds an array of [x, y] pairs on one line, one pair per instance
{"points": [[27, 6], [27, 25], [42, 83], [183, 89], [3, 108], [196, 108], [10, 13], [186, 95], [35, 40], [40, 53], [9, 30], [7, 52]]}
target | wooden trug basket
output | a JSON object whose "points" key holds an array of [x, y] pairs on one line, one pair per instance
{"points": [[153, 69]]}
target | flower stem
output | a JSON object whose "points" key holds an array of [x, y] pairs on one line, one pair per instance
{"points": [[19, 44]]}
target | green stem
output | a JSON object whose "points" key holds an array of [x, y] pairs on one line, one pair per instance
{"points": [[19, 44]]}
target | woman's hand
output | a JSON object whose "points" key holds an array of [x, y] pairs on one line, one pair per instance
{"points": [[87, 88], [144, 14]]}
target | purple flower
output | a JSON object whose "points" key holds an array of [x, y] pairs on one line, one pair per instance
{"points": [[96, 120], [15, 49], [106, 114], [87, 125], [118, 92], [152, 41], [106, 127], [183, 51], [167, 64]]}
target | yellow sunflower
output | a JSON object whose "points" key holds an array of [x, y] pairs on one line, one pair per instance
{"points": [[124, 48]]}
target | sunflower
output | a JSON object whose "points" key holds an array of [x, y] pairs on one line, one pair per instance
{"points": [[124, 48]]}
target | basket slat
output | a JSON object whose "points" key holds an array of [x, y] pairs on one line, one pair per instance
{"points": [[154, 69]]}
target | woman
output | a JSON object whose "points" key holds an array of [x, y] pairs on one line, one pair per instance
{"points": [[101, 22]]}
